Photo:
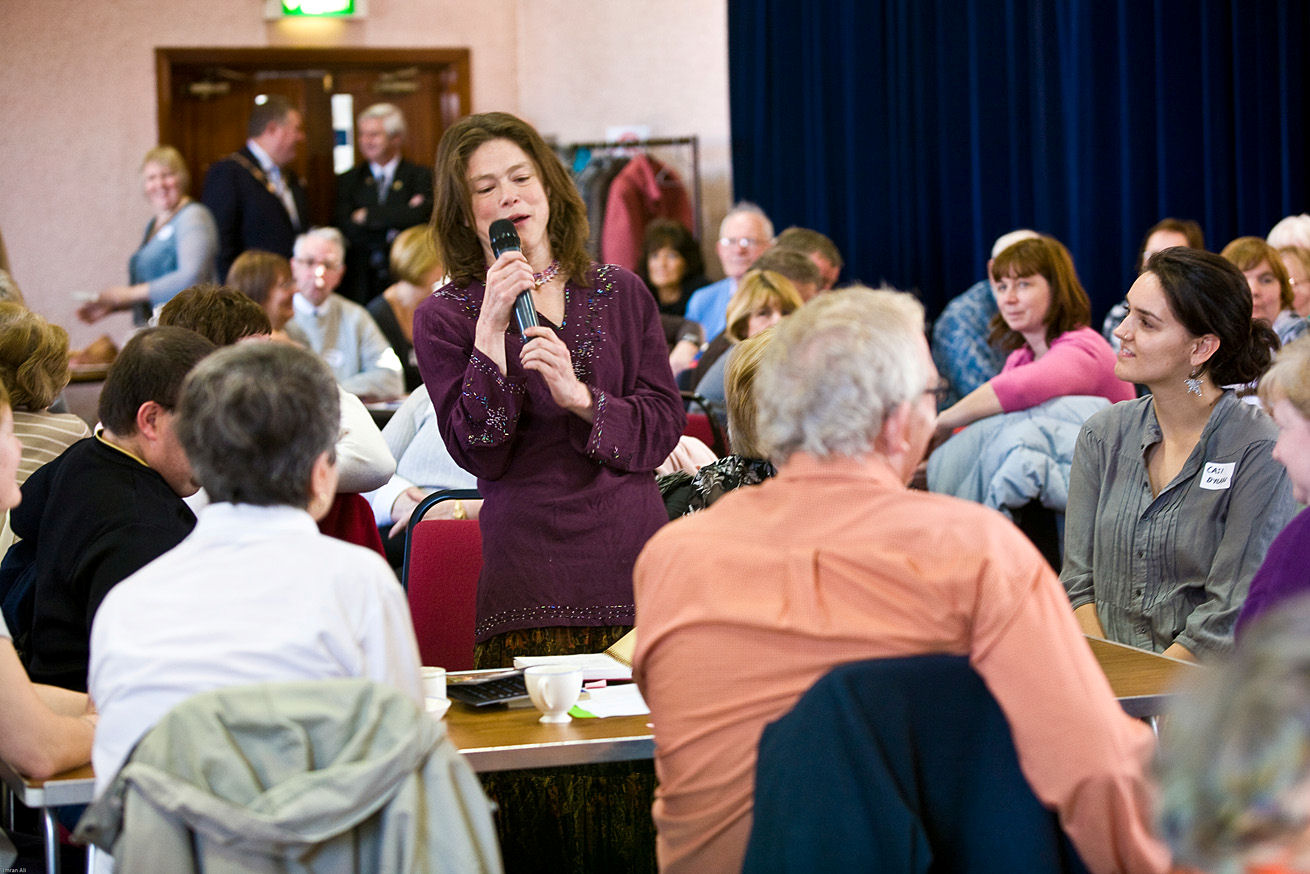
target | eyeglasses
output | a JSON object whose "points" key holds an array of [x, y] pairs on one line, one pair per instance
{"points": [[313, 263], [743, 242], [941, 392]]}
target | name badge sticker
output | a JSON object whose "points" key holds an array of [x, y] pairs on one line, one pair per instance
{"points": [[1217, 476]]}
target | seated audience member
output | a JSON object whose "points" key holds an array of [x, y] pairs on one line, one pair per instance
{"points": [[423, 466], [687, 492], [219, 313], [110, 503], [1297, 262], [762, 300], [819, 248], [1233, 769], [846, 409], [1174, 497], [1285, 392], [744, 234], [1271, 289], [788, 263], [340, 331], [43, 730], [1293, 230], [255, 594], [34, 364], [960, 347], [225, 316], [416, 272], [266, 279], [1163, 234], [1043, 325], [671, 266]]}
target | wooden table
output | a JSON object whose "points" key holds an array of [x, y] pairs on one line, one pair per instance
{"points": [[1142, 681], [508, 739]]}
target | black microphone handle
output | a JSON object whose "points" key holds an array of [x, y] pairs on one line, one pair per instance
{"points": [[525, 314]]}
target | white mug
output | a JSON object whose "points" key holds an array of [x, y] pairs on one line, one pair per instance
{"points": [[434, 682], [553, 690]]}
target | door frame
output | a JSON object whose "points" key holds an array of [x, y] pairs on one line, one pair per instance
{"points": [[299, 58]]}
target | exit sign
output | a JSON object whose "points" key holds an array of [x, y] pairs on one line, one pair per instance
{"points": [[275, 9]]}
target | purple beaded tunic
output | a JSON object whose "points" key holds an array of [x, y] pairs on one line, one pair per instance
{"points": [[568, 505]]}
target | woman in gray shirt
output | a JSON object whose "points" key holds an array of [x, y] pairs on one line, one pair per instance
{"points": [[1174, 498]]}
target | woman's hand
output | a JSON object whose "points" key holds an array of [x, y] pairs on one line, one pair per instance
{"points": [[546, 354], [113, 298], [507, 278]]}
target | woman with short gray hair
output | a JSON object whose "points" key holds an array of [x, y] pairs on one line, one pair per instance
{"points": [[255, 593]]}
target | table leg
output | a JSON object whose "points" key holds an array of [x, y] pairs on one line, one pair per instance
{"points": [[51, 826]]}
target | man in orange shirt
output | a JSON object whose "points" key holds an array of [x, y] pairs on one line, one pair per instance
{"points": [[744, 606]]}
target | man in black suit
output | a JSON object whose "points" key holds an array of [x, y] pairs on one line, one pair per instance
{"points": [[377, 199], [257, 203]]}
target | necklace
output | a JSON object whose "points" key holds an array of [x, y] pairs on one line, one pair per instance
{"points": [[551, 271]]}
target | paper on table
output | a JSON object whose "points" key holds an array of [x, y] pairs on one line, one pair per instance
{"points": [[624, 700], [595, 666]]}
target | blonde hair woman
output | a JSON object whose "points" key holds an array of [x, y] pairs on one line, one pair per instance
{"points": [[418, 272]]}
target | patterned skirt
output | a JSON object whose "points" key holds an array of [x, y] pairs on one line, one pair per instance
{"points": [[584, 818]]}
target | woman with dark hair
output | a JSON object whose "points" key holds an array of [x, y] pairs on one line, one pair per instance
{"points": [[1163, 234], [1043, 325], [1174, 498], [562, 424], [671, 265]]}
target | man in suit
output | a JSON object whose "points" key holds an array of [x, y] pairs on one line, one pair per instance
{"points": [[257, 202], [377, 199]]}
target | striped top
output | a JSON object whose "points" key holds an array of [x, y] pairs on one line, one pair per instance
{"points": [[45, 436]]}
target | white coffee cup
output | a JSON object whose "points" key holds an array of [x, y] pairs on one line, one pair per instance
{"points": [[434, 682], [553, 690]]}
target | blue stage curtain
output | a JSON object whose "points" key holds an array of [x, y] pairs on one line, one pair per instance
{"points": [[914, 132]]}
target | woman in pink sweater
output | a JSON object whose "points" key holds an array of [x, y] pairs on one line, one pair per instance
{"points": [[1043, 324]]}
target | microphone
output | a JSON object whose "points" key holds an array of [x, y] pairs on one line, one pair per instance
{"points": [[504, 238]]}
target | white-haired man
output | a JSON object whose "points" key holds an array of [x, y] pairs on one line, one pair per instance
{"points": [[773, 595], [959, 337], [377, 199], [744, 234], [339, 330]]}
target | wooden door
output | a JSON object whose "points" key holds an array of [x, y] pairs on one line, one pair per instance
{"points": [[205, 96]]}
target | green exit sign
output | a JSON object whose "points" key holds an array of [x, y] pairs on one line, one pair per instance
{"points": [[315, 8]]}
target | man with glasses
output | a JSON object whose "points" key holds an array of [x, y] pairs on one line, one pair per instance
{"points": [[339, 330], [833, 561], [744, 234]]}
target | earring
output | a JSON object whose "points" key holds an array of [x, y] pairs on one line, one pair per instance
{"points": [[1193, 382]]}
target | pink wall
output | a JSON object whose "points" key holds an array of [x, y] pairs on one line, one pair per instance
{"points": [[77, 102]]}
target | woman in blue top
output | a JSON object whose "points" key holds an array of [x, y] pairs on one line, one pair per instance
{"points": [[179, 248]]}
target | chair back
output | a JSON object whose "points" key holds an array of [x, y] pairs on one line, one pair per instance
{"points": [[702, 425], [899, 765], [443, 559], [350, 518], [321, 775]]}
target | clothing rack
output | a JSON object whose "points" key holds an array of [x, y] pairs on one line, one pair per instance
{"points": [[617, 145]]}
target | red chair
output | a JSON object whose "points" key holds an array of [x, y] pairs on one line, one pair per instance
{"points": [[443, 558], [350, 518], [703, 425]]}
